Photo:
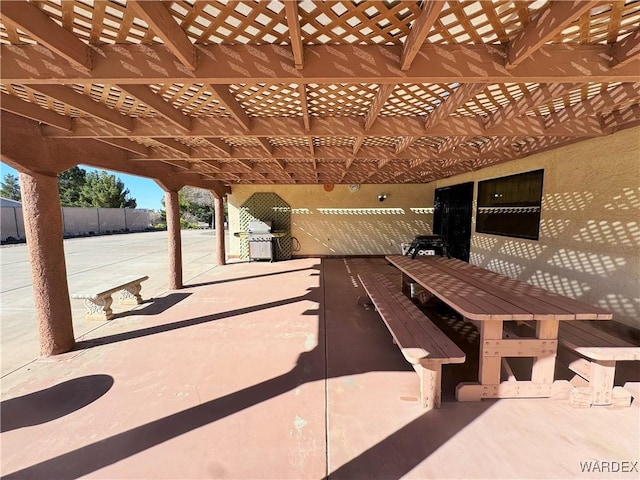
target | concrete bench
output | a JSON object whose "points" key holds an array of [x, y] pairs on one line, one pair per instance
{"points": [[98, 300], [422, 343], [592, 354]]}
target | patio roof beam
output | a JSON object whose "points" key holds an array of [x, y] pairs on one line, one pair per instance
{"points": [[218, 65], [219, 145], [404, 143], [357, 144], [549, 22], [33, 111], [63, 154], [302, 90], [542, 95], [174, 145], [624, 118], [33, 21], [626, 50], [256, 153], [451, 143], [295, 34], [128, 145], [86, 104], [155, 101], [623, 94], [462, 94], [347, 163], [419, 30], [245, 163], [230, 104], [326, 127], [376, 105], [265, 145], [164, 25]]}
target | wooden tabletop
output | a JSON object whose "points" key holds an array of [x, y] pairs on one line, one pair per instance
{"points": [[481, 295]]}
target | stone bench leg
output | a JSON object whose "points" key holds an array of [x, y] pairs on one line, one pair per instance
{"points": [[99, 308], [430, 384], [130, 295]]}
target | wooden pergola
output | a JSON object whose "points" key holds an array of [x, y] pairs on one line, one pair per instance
{"points": [[215, 94]]}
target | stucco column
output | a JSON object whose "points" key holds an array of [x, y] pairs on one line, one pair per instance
{"points": [[44, 233], [175, 241], [218, 205]]}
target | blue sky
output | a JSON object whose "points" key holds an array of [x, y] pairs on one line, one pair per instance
{"points": [[146, 192]]}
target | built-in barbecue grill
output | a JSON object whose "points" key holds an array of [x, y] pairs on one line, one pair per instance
{"points": [[428, 245], [260, 240]]}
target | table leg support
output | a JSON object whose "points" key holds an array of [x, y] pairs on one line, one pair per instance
{"points": [[544, 367], [489, 368]]}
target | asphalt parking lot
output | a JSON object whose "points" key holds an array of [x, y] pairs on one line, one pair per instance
{"points": [[90, 261]]}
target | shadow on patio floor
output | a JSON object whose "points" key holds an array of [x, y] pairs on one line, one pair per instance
{"points": [[274, 372]]}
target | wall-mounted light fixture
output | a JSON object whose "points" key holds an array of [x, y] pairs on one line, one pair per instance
{"points": [[382, 197]]}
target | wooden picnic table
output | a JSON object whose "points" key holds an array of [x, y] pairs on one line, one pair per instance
{"points": [[488, 299]]}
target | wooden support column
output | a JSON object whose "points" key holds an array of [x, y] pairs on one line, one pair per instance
{"points": [[44, 232], [175, 241], [218, 205]]}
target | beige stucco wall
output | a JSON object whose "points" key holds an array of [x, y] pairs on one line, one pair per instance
{"points": [[589, 246], [342, 222]]}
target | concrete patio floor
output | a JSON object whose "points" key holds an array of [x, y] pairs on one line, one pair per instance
{"points": [[278, 370]]}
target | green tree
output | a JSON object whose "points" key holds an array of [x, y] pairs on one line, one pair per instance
{"points": [[105, 190], [70, 183], [196, 204], [10, 187]]}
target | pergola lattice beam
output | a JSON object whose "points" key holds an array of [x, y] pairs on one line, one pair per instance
{"points": [[265, 145], [33, 111], [128, 145], [357, 144], [155, 101], [404, 143], [220, 145], [625, 93], [462, 94], [554, 18], [538, 97], [74, 152], [376, 105], [457, 152], [450, 143], [302, 91], [421, 26], [327, 127], [624, 118], [626, 50], [295, 34], [229, 102], [160, 19], [85, 104], [176, 146], [47, 33], [229, 64]]}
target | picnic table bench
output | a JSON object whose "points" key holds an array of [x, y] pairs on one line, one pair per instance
{"points": [[489, 300], [592, 354], [99, 299], [421, 342]]}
